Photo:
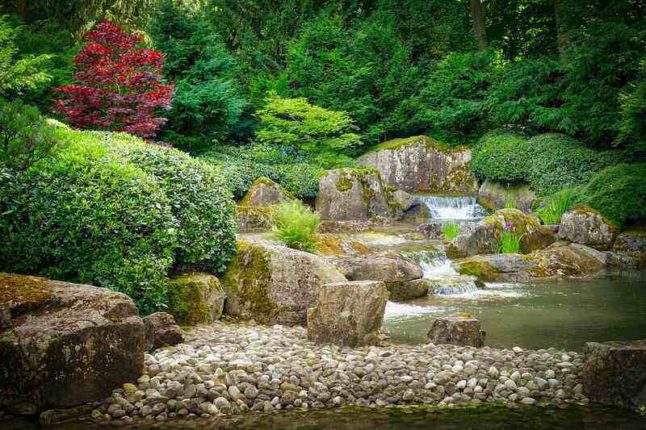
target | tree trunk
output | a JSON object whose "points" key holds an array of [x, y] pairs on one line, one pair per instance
{"points": [[479, 29], [561, 29]]}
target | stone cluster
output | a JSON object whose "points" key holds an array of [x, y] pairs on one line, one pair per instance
{"points": [[232, 369]]}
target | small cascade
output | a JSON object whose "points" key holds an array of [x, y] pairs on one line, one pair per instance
{"points": [[453, 208], [437, 268]]}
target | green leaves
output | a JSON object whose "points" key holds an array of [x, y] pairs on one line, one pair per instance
{"points": [[295, 225]]}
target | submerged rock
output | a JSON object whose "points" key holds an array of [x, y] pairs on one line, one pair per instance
{"points": [[587, 227], [162, 330], [195, 298], [353, 195], [67, 344], [484, 238], [275, 284], [265, 192], [421, 164], [457, 329], [348, 313], [494, 196], [615, 373]]}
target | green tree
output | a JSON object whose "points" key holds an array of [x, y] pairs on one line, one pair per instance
{"points": [[208, 103]]}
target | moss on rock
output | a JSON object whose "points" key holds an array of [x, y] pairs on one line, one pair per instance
{"points": [[195, 298]]}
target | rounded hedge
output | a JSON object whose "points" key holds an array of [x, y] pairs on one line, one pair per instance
{"points": [[501, 157], [618, 193], [114, 211], [201, 204], [547, 162]]}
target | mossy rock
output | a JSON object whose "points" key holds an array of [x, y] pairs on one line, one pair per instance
{"points": [[265, 192], [497, 267], [195, 298], [332, 245], [586, 226], [422, 164], [253, 219], [567, 260], [494, 195], [274, 284]]}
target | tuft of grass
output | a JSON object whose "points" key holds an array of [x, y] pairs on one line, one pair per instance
{"points": [[294, 224], [510, 204], [509, 242], [557, 204], [450, 230]]}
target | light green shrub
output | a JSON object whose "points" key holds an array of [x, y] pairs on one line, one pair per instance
{"points": [[557, 204], [295, 225], [509, 242], [450, 230]]}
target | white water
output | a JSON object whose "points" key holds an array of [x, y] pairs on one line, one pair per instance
{"points": [[453, 208], [437, 266]]}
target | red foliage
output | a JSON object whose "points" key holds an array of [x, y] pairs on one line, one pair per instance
{"points": [[119, 85]]}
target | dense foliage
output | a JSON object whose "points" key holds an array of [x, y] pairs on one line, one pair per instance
{"points": [[111, 210], [547, 162], [618, 192], [119, 86], [295, 225]]}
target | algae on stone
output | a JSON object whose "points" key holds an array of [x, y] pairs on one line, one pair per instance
{"points": [[195, 298]]}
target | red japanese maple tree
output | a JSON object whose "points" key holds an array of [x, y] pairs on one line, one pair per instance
{"points": [[119, 85]]}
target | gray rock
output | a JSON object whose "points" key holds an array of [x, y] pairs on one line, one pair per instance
{"points": [[348, 313], [457, 329], [587, 227], [68, 344], [615, 373], [420, 164], [275, 284], [493, 196], [265, 192], [403, 200], [352, 195], [162, 330], [497, 267]]}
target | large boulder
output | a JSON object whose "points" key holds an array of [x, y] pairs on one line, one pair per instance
{"points": [[273, 284], [497, 267], [162, 330], [494, 195], [421, 164], [457, 329], [587, 227], [195, 298], [394, 270], [348, 313], [353, 195], [484, 237], [615, 373], [65, 344], [265, 192], [565, 260]]}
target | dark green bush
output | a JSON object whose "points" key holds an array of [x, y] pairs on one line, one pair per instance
{"points": [[201, 204], [618, 192], [111, 210], [501, 157], [547, 162]]}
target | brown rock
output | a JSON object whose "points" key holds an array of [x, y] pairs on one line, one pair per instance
{"points": [[457, 329], [162, 330], [67, 344], [587, 227]]}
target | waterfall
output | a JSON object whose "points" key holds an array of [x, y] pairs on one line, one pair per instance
{"points": [[437, 268], [453, 208]]}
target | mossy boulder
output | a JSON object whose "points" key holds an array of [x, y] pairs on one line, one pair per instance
{"points": [[252, 219], [568, 260], [353, 195], [459, 328], [63, 344], [631, 245], [421, 164], [329, 244], [588, 227], [484, 237], [195, 298], [273, 284], [497, 267], [265, 192], [494, 195]]}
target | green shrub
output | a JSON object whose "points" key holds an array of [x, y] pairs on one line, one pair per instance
{"points": [[114, 211], [501, 157], [450, 230], [557, 204], [509, 242], [547, 162], [201, 204], [89, 216], [295, 225], [25, 138], [618, 193]]}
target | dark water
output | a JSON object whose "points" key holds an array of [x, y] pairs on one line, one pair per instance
{"points": [[470, 418], [564, 314]]}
